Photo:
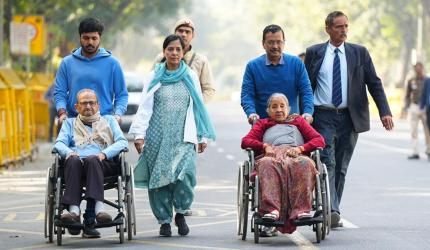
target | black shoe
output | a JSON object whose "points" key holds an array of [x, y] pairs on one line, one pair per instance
{"points": [[89, 228], [181, 224], [90, 233], [335, 220], [165, 230], [414, 157]]}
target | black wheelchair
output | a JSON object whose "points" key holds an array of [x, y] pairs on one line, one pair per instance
{"points": [[248, 198], [125, 221]]}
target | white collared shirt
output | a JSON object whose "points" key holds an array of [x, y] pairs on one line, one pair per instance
{"points": [[323, 91]]}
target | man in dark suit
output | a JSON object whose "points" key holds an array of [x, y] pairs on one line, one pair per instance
{"points": [[339, 73]]}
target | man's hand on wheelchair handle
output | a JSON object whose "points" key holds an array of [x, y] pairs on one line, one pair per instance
{"points": [[253, 118], [62, 115], [118, 118], [308, 118], [138, 144]]}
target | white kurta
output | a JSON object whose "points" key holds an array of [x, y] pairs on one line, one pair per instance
{"points": [[140, 122]]}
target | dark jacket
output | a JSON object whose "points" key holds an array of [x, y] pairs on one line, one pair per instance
{"points": [[361, 74], [425, 96]]}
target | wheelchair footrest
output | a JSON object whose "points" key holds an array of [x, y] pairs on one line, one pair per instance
{"points": [[260, 221], [309, 221]]}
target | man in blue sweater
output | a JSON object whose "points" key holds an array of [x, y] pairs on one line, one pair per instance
{"points": [[90, 67], [88, 143], [275, 72]]}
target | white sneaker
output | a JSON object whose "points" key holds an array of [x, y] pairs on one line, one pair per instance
{"points": [[268, 232]]}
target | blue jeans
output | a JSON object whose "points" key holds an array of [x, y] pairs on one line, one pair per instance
{"points": [[338, 131]]}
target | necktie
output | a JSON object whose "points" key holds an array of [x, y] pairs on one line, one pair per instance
{"points": [[336, 97]]}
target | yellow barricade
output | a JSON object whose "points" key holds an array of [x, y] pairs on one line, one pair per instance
{"points": [[39, 84], [22, 115], [6, 133]]}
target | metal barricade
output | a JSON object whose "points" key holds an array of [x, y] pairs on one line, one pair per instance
{"points": [[39, 83], [6, 133], [22, 115]]}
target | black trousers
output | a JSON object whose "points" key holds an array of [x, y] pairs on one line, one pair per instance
{"points": [[88, 173], [340, 139]]}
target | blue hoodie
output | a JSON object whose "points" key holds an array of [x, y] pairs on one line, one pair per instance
{"points": [[101, 73]]}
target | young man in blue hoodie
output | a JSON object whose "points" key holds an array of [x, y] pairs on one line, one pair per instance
{"points": [[94, 68]]}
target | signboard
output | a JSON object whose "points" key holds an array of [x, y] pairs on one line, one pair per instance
{"points": [[28, 35]]}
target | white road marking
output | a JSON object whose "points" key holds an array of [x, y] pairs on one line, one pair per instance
{"points": [[40, 216], [301, 241], [199, 212], [220, 150], [10, 217], [227, 213], [214, 204], [385, 146], [181, 246], [230, 157], [348, 224], [202, 187]]}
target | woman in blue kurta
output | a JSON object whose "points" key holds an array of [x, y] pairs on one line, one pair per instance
{"points": [[170, 126]]}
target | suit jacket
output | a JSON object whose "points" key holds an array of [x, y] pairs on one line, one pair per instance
{"points": [[361, 73], [425, 96]]}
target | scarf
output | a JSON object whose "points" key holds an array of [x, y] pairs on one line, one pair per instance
{"points": [[101, 134], [203, 123]]}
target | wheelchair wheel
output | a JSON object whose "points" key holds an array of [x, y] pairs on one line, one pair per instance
{"points": [[49, 208], [59, 236], [58, 230], [133, 200], [129, 218], [239, 211], [318, 231], [257, 228], [319, 208], [245, 199], [326, 200], [129, 204], [121, 205]]}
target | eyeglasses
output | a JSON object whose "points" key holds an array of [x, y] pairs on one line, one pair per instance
{"points": [[272, 43], [91, 103]]}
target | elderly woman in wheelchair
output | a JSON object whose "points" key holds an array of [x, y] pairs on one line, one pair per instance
{"points": [[88, 143], [286, 174]]}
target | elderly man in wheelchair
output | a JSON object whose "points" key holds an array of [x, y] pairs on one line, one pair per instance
{"points": [[88, 143], [286, 175]]}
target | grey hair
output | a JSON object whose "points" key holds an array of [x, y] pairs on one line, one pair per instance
{"points": [[86, 90], [330, 17], [275, 95]]}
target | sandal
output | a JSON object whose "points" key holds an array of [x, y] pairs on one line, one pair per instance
{"points": [[271, 217]]}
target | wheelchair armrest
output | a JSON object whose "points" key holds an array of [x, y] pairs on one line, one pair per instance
{"points": [[124, 150], [54, 151]]}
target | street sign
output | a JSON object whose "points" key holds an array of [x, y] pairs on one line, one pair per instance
{"points": [[28, 35]]}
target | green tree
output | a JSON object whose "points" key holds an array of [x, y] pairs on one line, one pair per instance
{"points": [[63, 17]]}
